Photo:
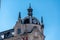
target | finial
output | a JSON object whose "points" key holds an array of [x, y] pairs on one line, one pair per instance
{"points": [[41, 19], [19, 15], [42, 22], [30, 10], [29, 5]]}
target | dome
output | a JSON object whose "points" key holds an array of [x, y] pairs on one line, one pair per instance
{"points": [[32, 20]]}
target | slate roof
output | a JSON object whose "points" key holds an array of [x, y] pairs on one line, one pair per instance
{"points": [[7, 34]]}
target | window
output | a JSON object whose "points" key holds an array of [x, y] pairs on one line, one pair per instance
{"points": [[34, 21], [26, 21], [18, 31]]}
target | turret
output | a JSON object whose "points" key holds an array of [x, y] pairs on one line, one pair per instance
{"points": [[42, 24], [17, 28], [19, 18]]}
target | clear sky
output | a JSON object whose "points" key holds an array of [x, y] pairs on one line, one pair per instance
{"points": [[49, 9]]}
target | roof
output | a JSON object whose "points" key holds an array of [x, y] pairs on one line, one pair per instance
{"points": [[6, 33]]}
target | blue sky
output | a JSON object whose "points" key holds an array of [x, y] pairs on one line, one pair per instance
{"points": [[49, 9]]}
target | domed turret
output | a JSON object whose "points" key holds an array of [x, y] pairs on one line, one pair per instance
{"points": [[30, 19]]}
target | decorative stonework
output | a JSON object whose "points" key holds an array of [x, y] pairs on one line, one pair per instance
{"points": [[28, 28]]}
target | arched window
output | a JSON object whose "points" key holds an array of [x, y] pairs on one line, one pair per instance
{"points": [[18, 31]]}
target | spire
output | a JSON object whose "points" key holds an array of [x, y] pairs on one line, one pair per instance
{"points": [[30, 10], [42, 22], [19, 17], [42, 19]]}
